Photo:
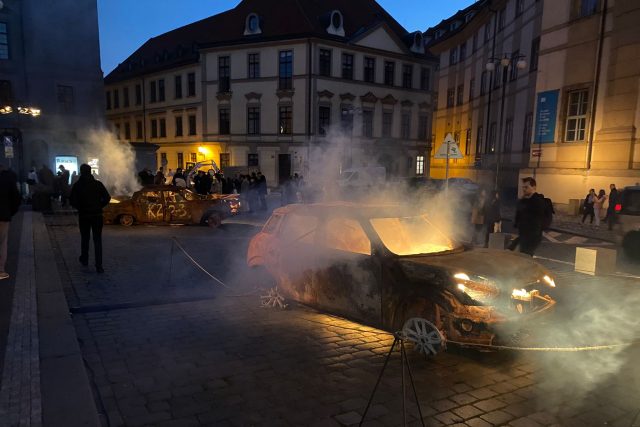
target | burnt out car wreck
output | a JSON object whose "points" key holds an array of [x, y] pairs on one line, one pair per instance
{"points": [[167, 204], [386, 268]]}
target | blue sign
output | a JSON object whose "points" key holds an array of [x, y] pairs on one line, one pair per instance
{"points": [[547, 111]]}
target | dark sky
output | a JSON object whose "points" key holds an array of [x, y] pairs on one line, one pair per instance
{"points": [[126, 24]]}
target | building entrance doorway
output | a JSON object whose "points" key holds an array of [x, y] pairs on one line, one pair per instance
{"points": [[284, 168]]}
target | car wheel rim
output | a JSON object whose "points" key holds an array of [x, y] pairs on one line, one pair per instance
{"points": [[126, 220], [425, 336]]}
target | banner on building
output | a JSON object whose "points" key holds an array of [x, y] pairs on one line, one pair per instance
{"points": [[546, 113]]}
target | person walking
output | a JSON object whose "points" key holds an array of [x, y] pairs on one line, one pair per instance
{"points": [[89, 196], [9, 204], [493, 217], [478, 217], [598, 203], [529, 219], [610, 217], [587, 207]]}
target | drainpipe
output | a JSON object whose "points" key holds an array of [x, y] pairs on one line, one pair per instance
{"points": [[309, 99], [596, 84], [489, 86], [144, 111]]}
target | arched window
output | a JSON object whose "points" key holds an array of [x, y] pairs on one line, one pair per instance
{"points": [[336, 24], [252, 25]]}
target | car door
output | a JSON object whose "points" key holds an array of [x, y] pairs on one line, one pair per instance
{"points": [[347, 279], [176, 209], [150, 206]]}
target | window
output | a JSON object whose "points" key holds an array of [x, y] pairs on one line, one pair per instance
{"points": [[6, 94], [474, 44], [483, 82], [224, 117], [514, 68], [116, 98], [526, 133], [163, 159], [299, 228], [125, 97], [286, 70], [224, 74], [152, 91], [347, 66], [519, 7], [285, 121], [4, 41], [154, 128], [346, 235], [425, 77], [419, 165], [389, 72], [369, 69], [346, 120], [179, 131], [451, 97], [139, 129], [491, 144], [472, 88], [180, 160], [497, 77], [116, 130], [576, 115], [456, 137], [423, 126], [387, 123], [487, 31], [502, 16], [367, 123], [453, 56], [508, 136], [177, 85], [325, 62], [535, 52], [225, 160], [479, 141], [192, 124], [138, 94], [253, 159], [588, 7], [324, 120], [127, 131], [163, 128], [405, 125], [161, 90], [460, 95], [191, 84], [253, 120], [254, 65], [65, 98], [193, 157], [463, 51], [467, 142], [407, 76]]}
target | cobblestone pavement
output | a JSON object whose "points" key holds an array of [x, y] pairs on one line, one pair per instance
{"points": [[167, 346]]}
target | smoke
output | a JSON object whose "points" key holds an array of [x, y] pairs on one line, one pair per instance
{"points": [[117, 161]]}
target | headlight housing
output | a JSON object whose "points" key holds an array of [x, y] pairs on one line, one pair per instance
{"points": [[479, 289]]}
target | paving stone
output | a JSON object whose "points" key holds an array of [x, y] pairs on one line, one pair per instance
{"points": [[478, 422], [467, 412], [443, 405], [348, 418], [490, 405], [463, 398], [497, 417], [448, 418], [524, 422]]}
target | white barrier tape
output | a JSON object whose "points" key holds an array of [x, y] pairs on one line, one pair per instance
{"points": [[548, 349]]}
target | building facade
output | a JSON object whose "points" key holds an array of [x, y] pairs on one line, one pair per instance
{"points": [[588, 98], [51, 86], [486, 88], [267, 88]]}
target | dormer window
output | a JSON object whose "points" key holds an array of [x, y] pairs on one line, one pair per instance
{"points": [[439, 33], [252, 25], [336, 24], [418, 43], [454, 25], [469, 16]]}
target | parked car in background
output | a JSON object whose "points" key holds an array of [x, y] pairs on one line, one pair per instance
{"points": [[172, 205], [394, 269], [628, 218]]}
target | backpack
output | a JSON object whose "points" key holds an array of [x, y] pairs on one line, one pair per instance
{"points": [[547, 217]]}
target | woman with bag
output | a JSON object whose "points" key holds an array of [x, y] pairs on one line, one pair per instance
{"points": [[597, 205]]}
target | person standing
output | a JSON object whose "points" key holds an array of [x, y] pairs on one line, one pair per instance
{"points": [[9, 203], [598, 203], [493, 217], [529, 218], [89, 196], [588, 205], [159, 179], [478, 217], [610, 217]]}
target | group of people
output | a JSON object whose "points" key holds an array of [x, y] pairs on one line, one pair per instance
{"points": [[594, 203]]}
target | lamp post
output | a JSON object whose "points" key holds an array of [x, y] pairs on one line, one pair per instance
{"points": [[505, 63]]}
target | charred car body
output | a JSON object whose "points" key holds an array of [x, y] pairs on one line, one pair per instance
{"points": [[170, 204], [382, 267]]}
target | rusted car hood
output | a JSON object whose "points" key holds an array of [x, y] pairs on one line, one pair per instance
{"points": [[507, 270]]}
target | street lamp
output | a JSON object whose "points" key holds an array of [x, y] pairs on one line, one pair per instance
{"points": [[506, 63]]}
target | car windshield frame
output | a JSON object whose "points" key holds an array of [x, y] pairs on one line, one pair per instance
{"points": [[454, 245]]}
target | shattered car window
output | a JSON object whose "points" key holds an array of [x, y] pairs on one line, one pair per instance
{"points": [[188, 195], [271, 225], [347, 235], [173, 197], [299, 228], [152, 196], [411, 235]]}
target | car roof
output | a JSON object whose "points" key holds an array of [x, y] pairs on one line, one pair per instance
{"points": [[349, 209], [162, 187]]}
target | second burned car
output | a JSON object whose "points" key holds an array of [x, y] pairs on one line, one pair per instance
{"points": [[169, 204], [393, 270]]}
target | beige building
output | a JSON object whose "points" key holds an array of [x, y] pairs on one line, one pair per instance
{"points": [[588, 86], [259, 87], [487, 109]]}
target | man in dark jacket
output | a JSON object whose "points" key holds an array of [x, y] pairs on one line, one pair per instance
{"points": [[610, 218], [89, 196], [9, 203], [529, 218]]}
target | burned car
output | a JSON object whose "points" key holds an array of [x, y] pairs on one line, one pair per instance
{"points": [[381, 266], [170, 204]]}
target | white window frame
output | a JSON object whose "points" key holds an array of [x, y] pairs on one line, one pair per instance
{"points": [[577, 132]]}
